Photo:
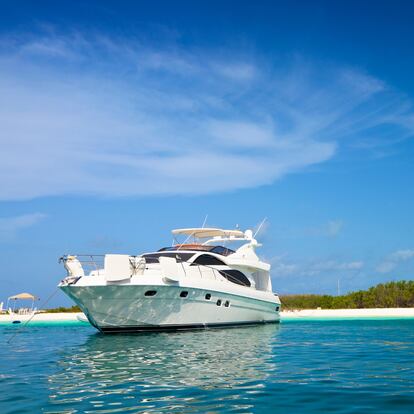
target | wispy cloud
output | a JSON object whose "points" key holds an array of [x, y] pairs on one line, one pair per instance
{"points": [[402, 255], [282, 267], [335, 265], [92, 114], [334, 227], [10, 226], [317, 276], [394, 259], [331, 228]]}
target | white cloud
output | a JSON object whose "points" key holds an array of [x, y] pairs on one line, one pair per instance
{"points": [[394, 259], [354, 265], [236, 71], [242, 134], [334, 227], [330, 229], [386, 267], [402, 255], [10, 226], [282, 267], [82, 114], [334, 265]]}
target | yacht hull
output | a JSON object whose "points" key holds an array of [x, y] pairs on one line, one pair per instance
{"points": [[130, 308]]}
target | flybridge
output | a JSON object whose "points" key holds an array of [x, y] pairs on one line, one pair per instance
{"points": [[204, 232], [215, 234]]}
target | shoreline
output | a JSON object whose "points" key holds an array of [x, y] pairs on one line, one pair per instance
{"points": [[46, 317], [366, 313], [304, 314]]}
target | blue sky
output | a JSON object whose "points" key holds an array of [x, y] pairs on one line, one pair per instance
{"points": [[119, 122]]}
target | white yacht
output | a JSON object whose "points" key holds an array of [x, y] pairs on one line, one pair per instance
{"points": [[193, 285]]}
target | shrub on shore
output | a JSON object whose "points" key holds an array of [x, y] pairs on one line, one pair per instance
{"points": [[62, 309], [387, 295]]}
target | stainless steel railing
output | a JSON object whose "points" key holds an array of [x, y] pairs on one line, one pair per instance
{"points": [[95, 263]]}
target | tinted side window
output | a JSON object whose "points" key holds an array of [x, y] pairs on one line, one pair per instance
{"points": [[236, 277], [150, 259], [224, 251], [154, 258], [182, 257], [208, 260]]}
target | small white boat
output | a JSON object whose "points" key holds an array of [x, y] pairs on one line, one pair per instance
{"points": [[186, 286], [21, 314]]}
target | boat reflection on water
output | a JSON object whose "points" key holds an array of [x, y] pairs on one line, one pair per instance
{"points": [[174, 372]]}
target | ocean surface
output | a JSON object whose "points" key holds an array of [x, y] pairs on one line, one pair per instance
{"points": [[296, 367]]}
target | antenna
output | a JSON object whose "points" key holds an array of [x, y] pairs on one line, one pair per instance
{"points": [[205, 221], [259, 228]]}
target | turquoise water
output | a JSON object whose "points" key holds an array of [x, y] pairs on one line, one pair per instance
{"points": [[298, 367]]}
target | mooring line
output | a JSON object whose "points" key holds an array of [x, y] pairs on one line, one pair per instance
{"points": [[27, 322]]}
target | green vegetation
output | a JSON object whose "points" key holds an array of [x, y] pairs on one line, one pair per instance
{"points": [[388, 295], [62, 309]]}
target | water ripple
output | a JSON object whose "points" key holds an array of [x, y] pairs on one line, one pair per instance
{"points": [[308, 367]]}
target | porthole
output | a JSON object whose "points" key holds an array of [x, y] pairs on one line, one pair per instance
{"points": [[183, 294], [150, 292], [208, 296], [277, 308], [226, 303], [218, 302]]}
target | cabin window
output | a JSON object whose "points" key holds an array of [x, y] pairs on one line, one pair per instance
{"points": [[183, 294], [218, 302], [226, 303], [154, 257], [208, 260], [236, 277], [150, 293], [224, 251], [182, 257], [150, 259], [208, 296], [277, 308]]}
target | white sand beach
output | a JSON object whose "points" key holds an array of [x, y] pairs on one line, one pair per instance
{"points": [[45, 317], [349, 313], [382, 313]]}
